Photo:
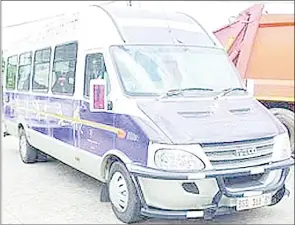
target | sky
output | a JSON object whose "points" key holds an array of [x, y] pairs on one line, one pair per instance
{"points": [[212, 14]]}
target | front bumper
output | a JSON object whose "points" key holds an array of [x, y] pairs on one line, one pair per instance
{"points": [[143, 176]]}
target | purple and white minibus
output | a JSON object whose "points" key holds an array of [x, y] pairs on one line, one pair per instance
{"points": [[148, 103]]}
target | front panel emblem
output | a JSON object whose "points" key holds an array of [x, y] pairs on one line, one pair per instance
{"points": [[245, 151]]}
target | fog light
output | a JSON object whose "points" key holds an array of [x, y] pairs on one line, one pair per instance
{"points": [[191, 188]]}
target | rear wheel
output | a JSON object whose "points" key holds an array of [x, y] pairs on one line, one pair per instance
{"points": [[27, 152], [123, 195]]}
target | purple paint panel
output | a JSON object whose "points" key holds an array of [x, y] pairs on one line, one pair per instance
{"points": [[42, 130], [54, 117], [135, 145], [9, 112], [97, 141], [37, 119], [60, 127]]}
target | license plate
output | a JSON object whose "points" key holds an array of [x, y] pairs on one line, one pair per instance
{"points": [[253, 202]]}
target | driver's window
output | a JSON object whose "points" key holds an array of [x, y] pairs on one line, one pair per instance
{"points": [[95, 68], [64, 69]]}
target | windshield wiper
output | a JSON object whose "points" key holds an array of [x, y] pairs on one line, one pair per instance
{"points": [[169, 93], [197, 89], [227, 91], [174, 92]]}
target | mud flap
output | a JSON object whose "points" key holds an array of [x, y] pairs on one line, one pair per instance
{"points": [[104, 193], [4, 131], [41, 157]]}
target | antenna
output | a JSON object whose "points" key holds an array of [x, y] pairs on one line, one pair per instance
{"points": [[169, 28]]}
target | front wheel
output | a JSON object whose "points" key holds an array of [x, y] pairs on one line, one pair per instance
{"points": [[123, 195]]}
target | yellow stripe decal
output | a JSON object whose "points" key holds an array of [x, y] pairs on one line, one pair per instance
{"points": [[118, 131]]}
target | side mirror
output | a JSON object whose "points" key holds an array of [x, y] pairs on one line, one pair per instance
{"points": [[98, 96]]}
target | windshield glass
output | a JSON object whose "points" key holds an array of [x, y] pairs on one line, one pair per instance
{"points": [[154, 70]]}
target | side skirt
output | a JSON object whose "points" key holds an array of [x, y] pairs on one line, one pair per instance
{"points": [[77, 158]]}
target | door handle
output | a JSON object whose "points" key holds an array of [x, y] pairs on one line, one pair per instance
{"points": [[6, 98], [83, 108], [110, 105]]}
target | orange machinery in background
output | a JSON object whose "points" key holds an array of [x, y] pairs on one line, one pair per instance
{"points": [[262, 48]]}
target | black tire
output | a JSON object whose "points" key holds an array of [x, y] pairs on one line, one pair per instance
{"points": [[132, 211], [287, 118], [31, 153]]}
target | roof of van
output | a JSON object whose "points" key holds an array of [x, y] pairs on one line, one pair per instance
{"points": [[149, 26], [133, 25]]}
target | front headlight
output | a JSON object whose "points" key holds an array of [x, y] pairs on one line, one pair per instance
{"points": [[281, 148], [177, 160]]}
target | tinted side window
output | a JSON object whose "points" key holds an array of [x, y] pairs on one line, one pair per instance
{"points": [[24, 71], [41, 70], [95, 68], [11, 72], [64, 69]]}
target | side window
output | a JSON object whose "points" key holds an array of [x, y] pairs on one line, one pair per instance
{"points": [[24, 71], [41, 70], [95, 68], [11, 72], [64, 69]]}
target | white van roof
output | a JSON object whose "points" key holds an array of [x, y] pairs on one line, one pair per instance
{"points": [[97, 26], [150, 26]]}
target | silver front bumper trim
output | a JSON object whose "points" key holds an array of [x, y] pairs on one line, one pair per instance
{"points": [[197, 175]]}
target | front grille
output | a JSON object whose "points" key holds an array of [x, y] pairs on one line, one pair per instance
{"points": [[240, 154]]}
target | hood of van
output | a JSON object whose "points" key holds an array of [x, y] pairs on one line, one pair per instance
{"points": [[211, 121]]}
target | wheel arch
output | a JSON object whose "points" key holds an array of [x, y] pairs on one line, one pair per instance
{"points": [[286, 117], [21, 123], [109, 158]]}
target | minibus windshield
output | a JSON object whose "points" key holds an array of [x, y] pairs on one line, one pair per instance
{"points": [[154, 70]]}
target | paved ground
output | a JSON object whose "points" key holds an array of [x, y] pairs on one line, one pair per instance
{"points": [[51, 192]]}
